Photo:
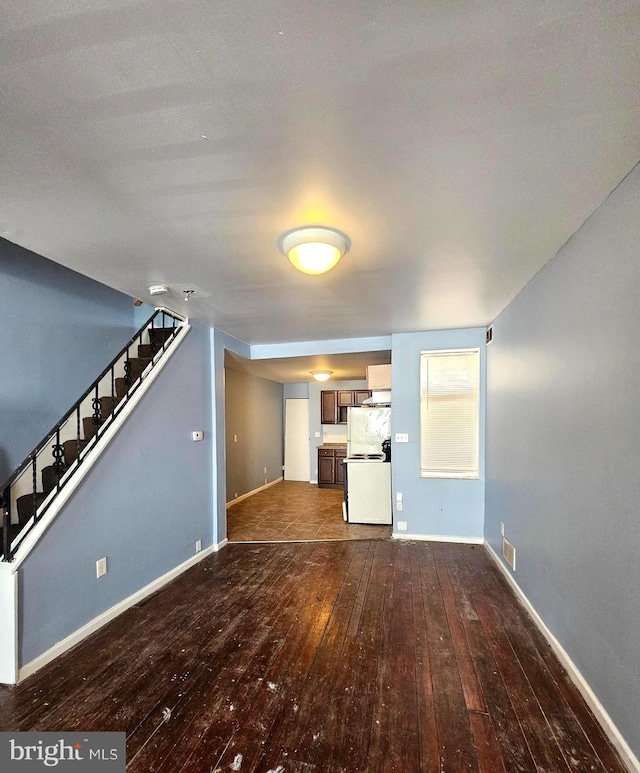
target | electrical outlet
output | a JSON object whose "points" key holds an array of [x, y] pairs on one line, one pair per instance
{"points": [[402, 525], [402, 437], [265, 481], [235, 438], [101, 567], [198, 545], [502, 528], [235, 494], [399, 505], [265, 470]]}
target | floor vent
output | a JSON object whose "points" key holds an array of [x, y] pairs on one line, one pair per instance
{"points": [[509, 553]]}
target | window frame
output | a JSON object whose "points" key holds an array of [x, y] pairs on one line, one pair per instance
{"points": [[459, 474]]}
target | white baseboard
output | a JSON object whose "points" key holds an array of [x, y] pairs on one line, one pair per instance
{"points": [[615, 736], [438, 538], [251, 493], [220, 545], [107, 616]]}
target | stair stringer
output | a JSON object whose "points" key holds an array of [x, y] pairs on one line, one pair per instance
{"points": [[9, 668]]}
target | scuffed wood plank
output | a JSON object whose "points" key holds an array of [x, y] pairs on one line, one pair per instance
{"points": [[455, 741]]}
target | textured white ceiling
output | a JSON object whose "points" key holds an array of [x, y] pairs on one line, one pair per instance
{"points": [[458, 144]]}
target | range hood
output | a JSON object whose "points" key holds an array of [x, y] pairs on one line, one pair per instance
{"points": [[381, 397]]}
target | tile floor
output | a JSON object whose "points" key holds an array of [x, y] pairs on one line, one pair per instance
{"points": [[291, 511]]}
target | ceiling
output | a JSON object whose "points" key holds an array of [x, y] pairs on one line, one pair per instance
{"points": [[290, 370], [457, 144]]}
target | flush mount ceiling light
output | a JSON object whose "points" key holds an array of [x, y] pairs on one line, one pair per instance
{"points": [[158, 290], [314, 250], [321, 375]]}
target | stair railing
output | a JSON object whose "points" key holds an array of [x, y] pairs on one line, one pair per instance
{"points": [[72, 438]]}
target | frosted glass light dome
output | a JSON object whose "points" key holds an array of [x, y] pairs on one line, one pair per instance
{"points": [[314, 250]]}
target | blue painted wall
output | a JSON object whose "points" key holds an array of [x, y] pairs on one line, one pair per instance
{"points": [[563, 443], [143, 506], [453, 508], [59, 331]]}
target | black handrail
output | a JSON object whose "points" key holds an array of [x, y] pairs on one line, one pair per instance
{"points": [[59, 467]]}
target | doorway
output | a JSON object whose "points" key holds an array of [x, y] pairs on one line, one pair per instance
{"points": [[296, 439]]}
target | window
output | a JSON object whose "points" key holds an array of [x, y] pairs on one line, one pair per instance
{"points": [[449, 413]]}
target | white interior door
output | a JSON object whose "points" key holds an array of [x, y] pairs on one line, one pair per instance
{"points": [[296, 439]]}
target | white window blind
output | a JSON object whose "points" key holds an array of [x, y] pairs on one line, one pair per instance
{"points": [[449, 413]]}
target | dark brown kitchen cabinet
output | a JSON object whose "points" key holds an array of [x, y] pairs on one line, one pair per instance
{"points": [[328, 407], [360, 395], [335, 403], [330, 467], [345, 398], [339, 469]]}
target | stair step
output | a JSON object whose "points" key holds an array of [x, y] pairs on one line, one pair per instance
{"points": [[25, 505], [14, 530], [138, 364], [149, 350], [89, 426], [121, 387], [72, 448], [158, 335], [50, 479], [107, 404]]}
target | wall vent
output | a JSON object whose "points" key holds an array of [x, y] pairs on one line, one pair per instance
{"points": [[509, 553], [489, 335]]}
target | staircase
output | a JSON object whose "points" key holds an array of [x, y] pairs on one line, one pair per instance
{"points": [[32, 488]]}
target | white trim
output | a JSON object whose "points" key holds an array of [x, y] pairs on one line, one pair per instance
{"points": [[107, 616], [439, 538], [31, 539], [601, 714], [8, 624], [220, 545], [255, 491]]}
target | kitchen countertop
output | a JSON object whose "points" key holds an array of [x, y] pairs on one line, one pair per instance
{"points": [[333, 445]]}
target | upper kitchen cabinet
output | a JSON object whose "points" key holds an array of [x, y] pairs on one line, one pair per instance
{"points": [[328, 407], [379, 377], [334, 404]]}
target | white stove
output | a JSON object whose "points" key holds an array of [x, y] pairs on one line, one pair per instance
{"points": [[364, 458], [367, 490]]}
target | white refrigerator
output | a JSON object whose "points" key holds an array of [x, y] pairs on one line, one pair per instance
{"points": [[367, 476], [366, 430]]}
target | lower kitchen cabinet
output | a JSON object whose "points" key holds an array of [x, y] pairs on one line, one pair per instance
{"points": [[330, 467]]}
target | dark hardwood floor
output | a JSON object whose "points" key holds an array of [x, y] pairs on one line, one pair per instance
{"points": [[324, 657]]}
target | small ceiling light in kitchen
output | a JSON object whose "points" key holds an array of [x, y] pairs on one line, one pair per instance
{"points": [[315, 249], [321, 375], [188, 294]]}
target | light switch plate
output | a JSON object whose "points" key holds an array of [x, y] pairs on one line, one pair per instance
{"points": [[198, 435]]}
